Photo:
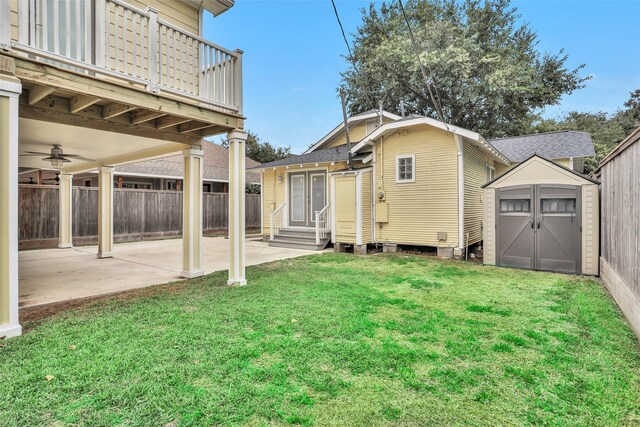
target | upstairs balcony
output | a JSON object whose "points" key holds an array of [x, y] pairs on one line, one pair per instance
{"points": [[115, 41]]}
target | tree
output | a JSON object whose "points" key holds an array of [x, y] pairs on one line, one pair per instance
{"points": [[606, 130], [488, 74], [261, 151]]}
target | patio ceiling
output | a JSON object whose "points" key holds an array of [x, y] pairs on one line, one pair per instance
{"points": [[106, 148]]}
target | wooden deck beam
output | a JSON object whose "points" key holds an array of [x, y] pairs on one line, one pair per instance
{"points": [[114, 109], [57, 109], [169, 121], [80, 102], [142, 116], [192, 126], [38, 93]]}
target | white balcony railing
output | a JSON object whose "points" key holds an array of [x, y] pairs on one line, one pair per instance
{"points": [[112, 38], [276, 220]]}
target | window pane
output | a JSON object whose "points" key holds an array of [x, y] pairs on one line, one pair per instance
{"points": [[558, 205], [514, 205]]}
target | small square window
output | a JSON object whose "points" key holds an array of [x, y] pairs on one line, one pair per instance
{"points": [[405, 168]]}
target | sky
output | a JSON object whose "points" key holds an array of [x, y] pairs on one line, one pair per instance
{"points": [[293, 57]]}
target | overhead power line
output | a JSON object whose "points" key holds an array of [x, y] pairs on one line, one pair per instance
{"points": [[436, 102], [351, 57]]}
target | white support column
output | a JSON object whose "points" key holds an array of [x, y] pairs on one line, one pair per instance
{"points": [[237, 139], [192, 213], [10, 89], [105, 212], [65, 206]]}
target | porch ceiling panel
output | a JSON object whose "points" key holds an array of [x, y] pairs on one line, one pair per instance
{"points": [[104, 147]]}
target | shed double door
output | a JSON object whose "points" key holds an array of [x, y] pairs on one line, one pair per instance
{"points": [[538, 227]]}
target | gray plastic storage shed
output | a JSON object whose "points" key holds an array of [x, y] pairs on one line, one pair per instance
{"points": [[542, 216]]}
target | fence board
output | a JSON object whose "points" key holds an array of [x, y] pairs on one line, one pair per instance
{"points": [[136, 212]]}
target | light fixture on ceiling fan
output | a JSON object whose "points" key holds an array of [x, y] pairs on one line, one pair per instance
{"points": [[56, 157]]}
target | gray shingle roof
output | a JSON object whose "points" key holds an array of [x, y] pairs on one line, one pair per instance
{"points": [[216, 165], [334, 154], [550, 145]]}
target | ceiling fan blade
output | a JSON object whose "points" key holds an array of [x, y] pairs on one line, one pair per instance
{"points": [[79, 157], [35, 153]]}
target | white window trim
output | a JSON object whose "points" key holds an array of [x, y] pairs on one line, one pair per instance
{"points": [[492, 174], [413, 168]]}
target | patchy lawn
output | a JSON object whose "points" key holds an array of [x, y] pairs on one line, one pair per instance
{"points": [[333, 339]]}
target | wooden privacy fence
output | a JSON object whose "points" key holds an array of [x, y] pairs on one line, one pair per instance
{"points": [[137, 213]]}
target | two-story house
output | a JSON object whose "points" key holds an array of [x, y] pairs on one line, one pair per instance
{"points": [[97, 84]]}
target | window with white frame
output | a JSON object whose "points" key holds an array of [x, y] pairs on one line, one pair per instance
{"points": [[491, 172], [406, 168]]}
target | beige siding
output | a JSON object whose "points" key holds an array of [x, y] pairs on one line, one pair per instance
{"points": [[175, 12], [273, 194], [500, 168], [366, 208], [14, 19], [489, 230], [562, 162], [475, 176], [355, 134], [590, 229], [419, 210]]}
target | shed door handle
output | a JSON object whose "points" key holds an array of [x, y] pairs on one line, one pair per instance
{"points": [[532, 223], [538, 223]]}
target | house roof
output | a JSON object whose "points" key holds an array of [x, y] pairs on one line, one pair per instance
{"points": [[324, 155], [521, 164], [216, 165], [550, 145], [370, 114]]}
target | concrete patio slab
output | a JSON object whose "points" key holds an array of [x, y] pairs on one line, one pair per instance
{"points": [[53, 275]]}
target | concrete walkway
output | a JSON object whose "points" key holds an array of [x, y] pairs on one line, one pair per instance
{"points": [[52, 275]]}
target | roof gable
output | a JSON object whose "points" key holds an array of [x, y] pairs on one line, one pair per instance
{"points": [[529, 171], [358, 118], [550, 145]]}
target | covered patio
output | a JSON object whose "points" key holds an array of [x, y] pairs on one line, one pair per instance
{"points": [[53, 275]]}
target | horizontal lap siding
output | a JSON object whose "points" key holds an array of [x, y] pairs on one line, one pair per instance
{"points": [[419, 210], [272, 195], [475, 176], [489, 230], [355, 134], [14, 18], [177, 13]]}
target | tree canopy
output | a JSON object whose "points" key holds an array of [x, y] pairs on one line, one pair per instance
{"points": [[261, 151], [487, 71]]}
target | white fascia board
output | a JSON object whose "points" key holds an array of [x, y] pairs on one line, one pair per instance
{"points": [[357, 118]]}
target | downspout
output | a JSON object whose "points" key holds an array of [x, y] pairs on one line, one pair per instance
{"points": [[460, 148]]}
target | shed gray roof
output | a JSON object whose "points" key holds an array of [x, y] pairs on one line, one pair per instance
{"points": [[550, 145], [216, 165], [333, 154]]}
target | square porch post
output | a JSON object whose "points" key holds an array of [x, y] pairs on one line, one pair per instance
{"points": [[237, 139], [10, 89], [192, 213], [65, 207], [105, 212]]}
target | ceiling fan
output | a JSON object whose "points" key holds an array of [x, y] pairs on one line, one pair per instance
{"points": [[57, 157]]}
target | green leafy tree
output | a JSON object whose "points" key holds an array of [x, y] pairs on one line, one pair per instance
{"points": [[261, 151], [488, 72]]}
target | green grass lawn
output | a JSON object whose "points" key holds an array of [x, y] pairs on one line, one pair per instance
{"points": [[333, 339]]}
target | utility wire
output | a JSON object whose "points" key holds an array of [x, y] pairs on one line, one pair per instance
{"points": [[436, 103], [352, 59]]}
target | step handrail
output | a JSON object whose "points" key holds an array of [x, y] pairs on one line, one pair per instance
{"points": [[276, 222], [323, 221]]}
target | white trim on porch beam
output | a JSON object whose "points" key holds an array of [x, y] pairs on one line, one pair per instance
{"points": [[105, 212], [65, 211], [192, 213]]}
